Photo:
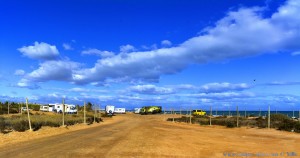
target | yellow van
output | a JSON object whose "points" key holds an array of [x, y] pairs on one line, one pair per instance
{"points": [[198, 112]]}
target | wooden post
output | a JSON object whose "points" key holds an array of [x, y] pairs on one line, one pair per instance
{"points": [[259, 113], [299, 116], [172, 112], [8, 108], [190, 116], [84, 113], [95, 114], [237, 116], [245, 113], [269, 118], [210, 116], [63, 112], [28, 115]]}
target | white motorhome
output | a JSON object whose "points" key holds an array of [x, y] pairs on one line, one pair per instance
{"points": [[44, 108], [109, 109], [120, 110], [69, 108], [137, 110]]}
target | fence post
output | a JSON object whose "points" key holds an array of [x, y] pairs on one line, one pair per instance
{"points": [[63, 112], [269, 118], [210, 116], [84, 113], [172, 112], [190, 116], [95, 115], [237, 116], [28, 115], [8, 108]]}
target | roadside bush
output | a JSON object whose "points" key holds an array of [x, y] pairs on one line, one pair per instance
{"points": [[2, 124], [230, 124], [289, 125], [20, 126]]}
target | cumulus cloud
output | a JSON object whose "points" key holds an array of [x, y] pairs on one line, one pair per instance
{"points": [[151, 89], [241, 33], [67, 46], [54, 70], [223, 87], [127, 48], [166, 43], [102, 54], [19, 72], [41, 51], [25, 83]]}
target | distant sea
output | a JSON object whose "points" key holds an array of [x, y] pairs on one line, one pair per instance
{"points": [[247, 113]]}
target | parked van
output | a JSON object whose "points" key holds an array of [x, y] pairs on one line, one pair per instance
{"points": [[109, 109]]}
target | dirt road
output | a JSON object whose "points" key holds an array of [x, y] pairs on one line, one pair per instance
{"points": [[149, 136]]}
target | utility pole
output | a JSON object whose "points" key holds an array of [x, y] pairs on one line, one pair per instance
{"points": [[63, 112], [28, 115], [84, 114]]}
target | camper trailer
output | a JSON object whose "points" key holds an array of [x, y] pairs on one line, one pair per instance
{"points": [[44, 108], [69, 108], [137, 110], [109, 109], [120, 110]]}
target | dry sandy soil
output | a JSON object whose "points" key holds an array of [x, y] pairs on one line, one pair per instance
{"points": [[133, 135]]}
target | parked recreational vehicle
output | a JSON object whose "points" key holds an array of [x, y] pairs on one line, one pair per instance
{"points": [[137, 110], [120, 110], [109, 109], [44, 108], [69, 108], [150, 110]]}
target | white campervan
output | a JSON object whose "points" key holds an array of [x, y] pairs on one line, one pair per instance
{"points": [[109, 109], [120, 110]]}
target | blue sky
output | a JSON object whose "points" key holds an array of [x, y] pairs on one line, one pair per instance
{"points": [[178, 54]]}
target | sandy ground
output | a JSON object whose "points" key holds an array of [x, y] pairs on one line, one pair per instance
{"points": [[133, 135]]}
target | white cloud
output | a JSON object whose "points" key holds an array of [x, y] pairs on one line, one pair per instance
{"points": [[54, 70], [25, 83], [19, 72], [102, 54], [151, 89], [223, 87], [166, 43], [295, 53], [241, 33], [67, 46], [41, 50], [127, 48]]}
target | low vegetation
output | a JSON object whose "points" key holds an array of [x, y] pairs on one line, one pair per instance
{"points": [[277, 121], [19, 122]]}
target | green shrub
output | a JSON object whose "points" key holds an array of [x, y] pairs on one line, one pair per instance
{"points": [[20, 126], [2, 124]]}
